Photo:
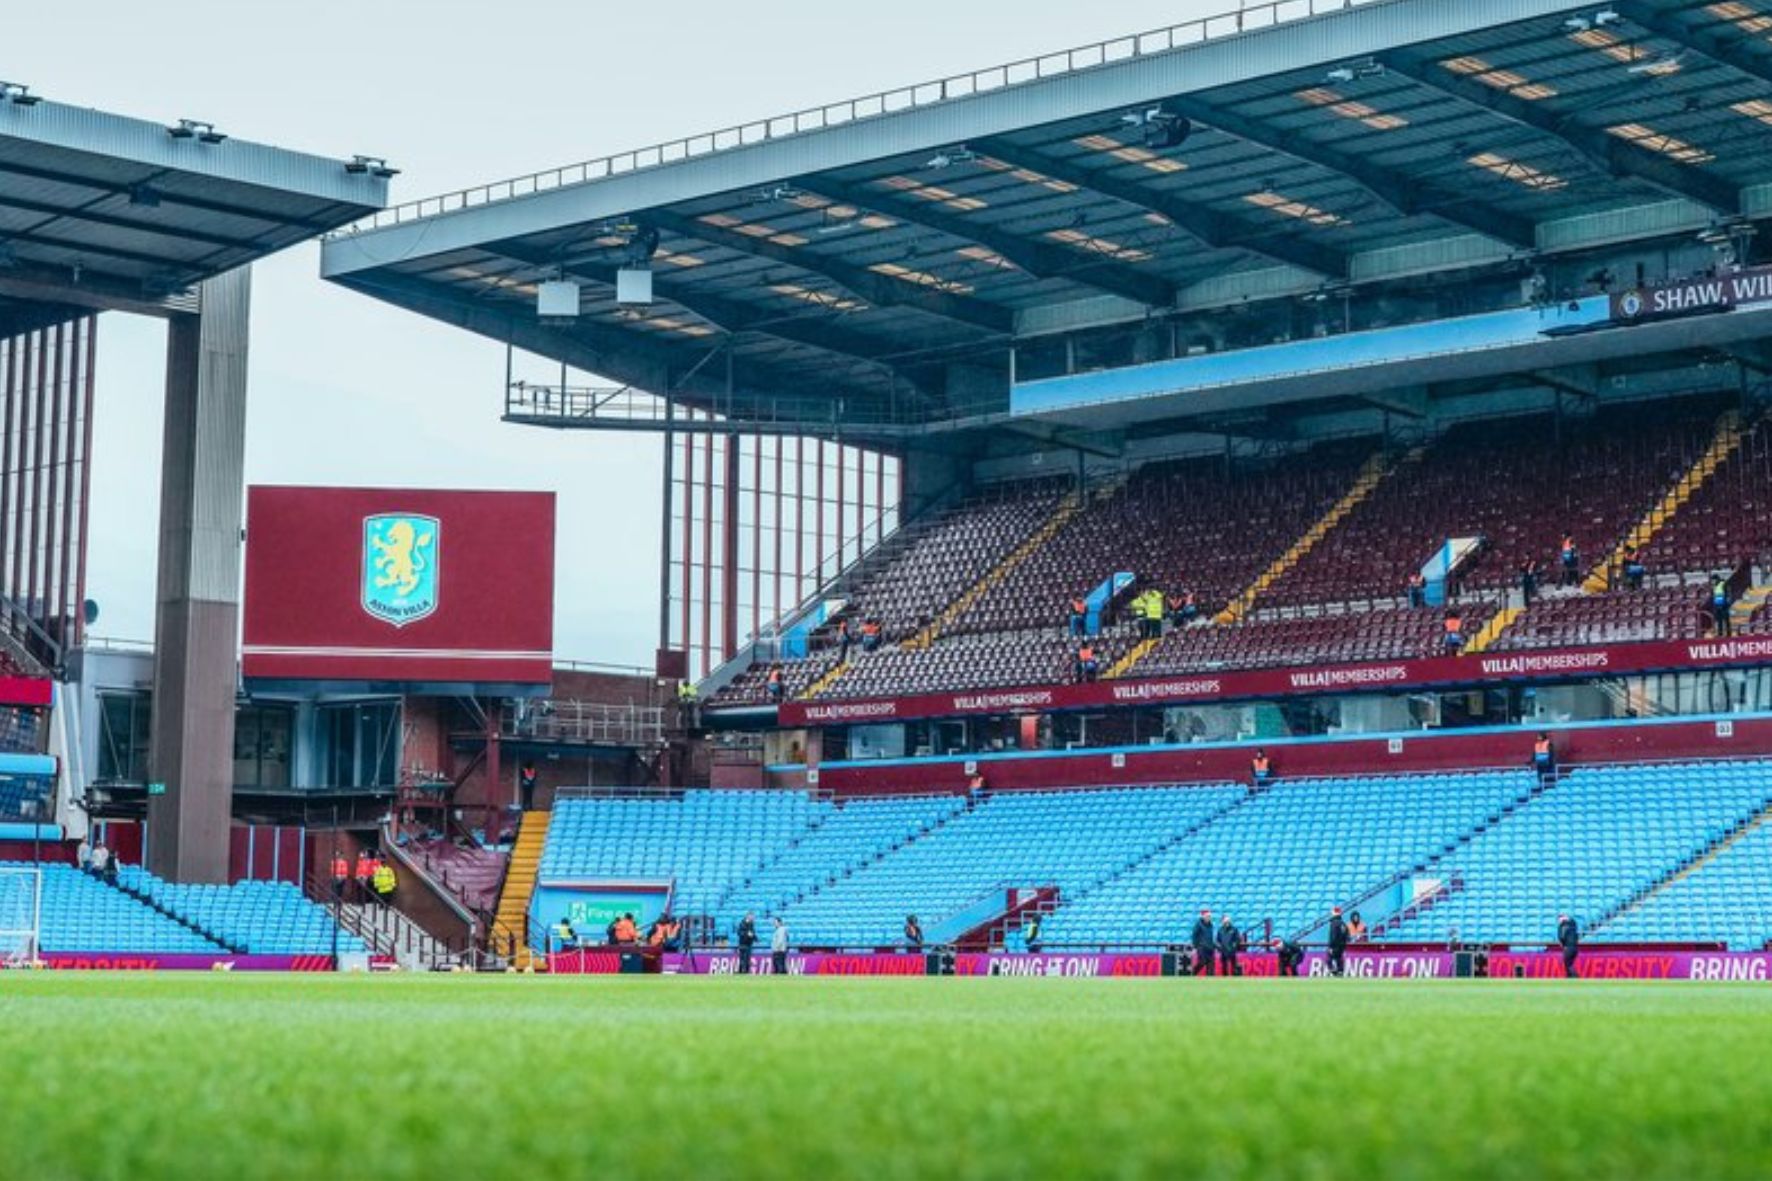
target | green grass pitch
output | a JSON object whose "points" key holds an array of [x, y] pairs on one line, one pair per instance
{"points": [[237, 1076]]}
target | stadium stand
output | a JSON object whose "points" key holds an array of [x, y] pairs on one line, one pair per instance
{"points": [[1515, 483], [1313, 637], [1685, 480], [1588, 846], [1727, 894], [1073, 840], [259, 918], [19, 730], [1158, 526], [932, 566], [797, 676], [963, 546], [1289, 853], [1727, 520], [706, 841], [1677, 612], [851, 835], [82, 913], [26, 797], [1634, 852], [977, 661]]}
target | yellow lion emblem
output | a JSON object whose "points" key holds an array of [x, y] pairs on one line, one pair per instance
{"points": [[399, 562]]}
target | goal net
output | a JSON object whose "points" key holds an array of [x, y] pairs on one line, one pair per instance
{"points": [[21, 915]]}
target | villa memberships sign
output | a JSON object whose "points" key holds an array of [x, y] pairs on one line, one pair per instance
{"points": [[1694, 295], [1567, 664]]}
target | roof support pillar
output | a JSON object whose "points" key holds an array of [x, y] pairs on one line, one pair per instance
{"points": [[197, 602]]}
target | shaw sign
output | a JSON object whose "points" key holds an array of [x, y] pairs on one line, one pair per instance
{"points": [[1694, 295], [1252, 684]]}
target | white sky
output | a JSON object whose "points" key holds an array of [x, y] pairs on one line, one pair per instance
{"points": [[346, 390]]}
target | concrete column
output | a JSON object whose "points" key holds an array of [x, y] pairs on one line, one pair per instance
{"points": [[198, 598]]}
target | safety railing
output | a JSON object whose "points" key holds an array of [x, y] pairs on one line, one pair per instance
{"points": [[1250, 17], [623, 407], [355, 908], [556, 720]]}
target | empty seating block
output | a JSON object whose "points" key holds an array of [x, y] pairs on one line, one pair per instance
{"points": [[1521, 483], [26, 798], [1729, 898], [851, 835], [258, 918], [1134, 865], [1587, 846], [1178, 526], [1615, 617], [1288, 854], [750, 687], [979, 661], [1383, 633], [958, 550], [82, 913], [1728, 520], [18, 730], [1068, 839], [707, 841]]}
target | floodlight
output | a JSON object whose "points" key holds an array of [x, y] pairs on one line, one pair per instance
{"points": [[196, 129], [373, 165]]}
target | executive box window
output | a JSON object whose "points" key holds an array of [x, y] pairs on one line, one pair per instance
{"points": [[261, 745], [125, 720], [360, 744]]}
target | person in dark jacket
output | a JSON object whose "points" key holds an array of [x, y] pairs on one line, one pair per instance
{"points": [[1337, 943], [913, 933], [1203, 941], [1030, 933], [1230, 942], [747, 939], [1569, 938], [1530, 572], [1290, 956]]}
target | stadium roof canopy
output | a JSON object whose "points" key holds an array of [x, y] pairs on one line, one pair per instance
{"points": [[99, 211], [876, 262]]}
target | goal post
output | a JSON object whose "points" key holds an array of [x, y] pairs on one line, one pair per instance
{"points": [[21, 915]]}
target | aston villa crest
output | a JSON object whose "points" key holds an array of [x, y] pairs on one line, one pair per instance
{"points": [[400, 553]]}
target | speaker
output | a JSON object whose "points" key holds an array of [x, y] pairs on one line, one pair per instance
{"points": [[938, 963], [557, 299], [633, 286]]}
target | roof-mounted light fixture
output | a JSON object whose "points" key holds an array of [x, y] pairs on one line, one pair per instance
{"points": [[1353, 73], [18, 93], [1161, 127], [196, 129], [952, 156], [373, 165]]}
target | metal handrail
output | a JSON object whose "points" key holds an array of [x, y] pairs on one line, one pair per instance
{"points": [[1263, 14], [566, 720]]}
